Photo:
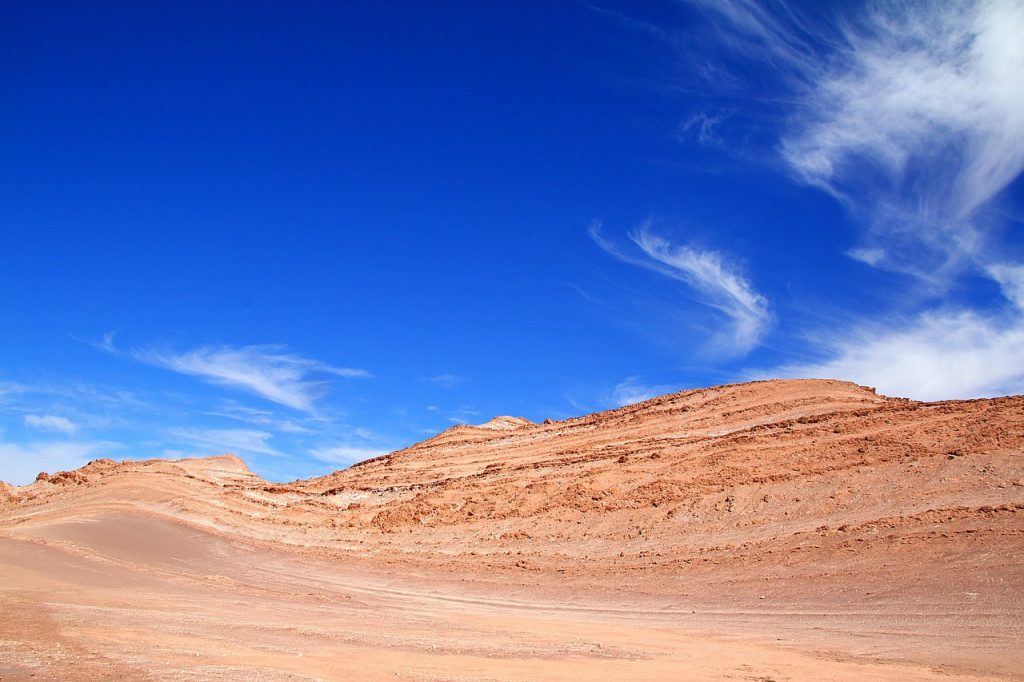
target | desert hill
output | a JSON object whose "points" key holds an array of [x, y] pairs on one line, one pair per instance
{"points": [[879, 530]]}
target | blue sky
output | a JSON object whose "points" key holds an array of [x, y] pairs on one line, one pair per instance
{"points": [[310, 233]]}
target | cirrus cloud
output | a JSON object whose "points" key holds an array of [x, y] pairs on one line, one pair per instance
{"points": [[718, 282], [219, 441], [939, 355], [346, 454], [49, 422], [269, 371], [911, 114], [20, 462], [630, 391]]}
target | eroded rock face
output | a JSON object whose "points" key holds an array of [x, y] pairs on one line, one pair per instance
{"points": [[506, 423], [713, 476], [7, 493], [816, 497]]}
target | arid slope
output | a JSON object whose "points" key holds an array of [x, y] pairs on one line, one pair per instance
{"points": [[798, 516]]}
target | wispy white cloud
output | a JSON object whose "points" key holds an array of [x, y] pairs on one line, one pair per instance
{"points": [[243, 413], [257, 417], [464, 414], [21, 462], [269, 371], [11, 393], [584, 294], [870, 256], [910, 113], [777, 35], [106, 344], [292, 426], [631, 391], [913, 83], [49, 422], [719, 283], [368, 434], [221, 441], [444, 380], [936, 356], [703, 128], [80, 406], [625, 19], [1010, 277], [345, 455]]}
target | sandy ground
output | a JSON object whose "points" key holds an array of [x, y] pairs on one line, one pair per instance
{"points": [[772, 531], [135, 596]]}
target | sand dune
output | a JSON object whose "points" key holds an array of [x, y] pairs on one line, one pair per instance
{"points": [[771, 530]]}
